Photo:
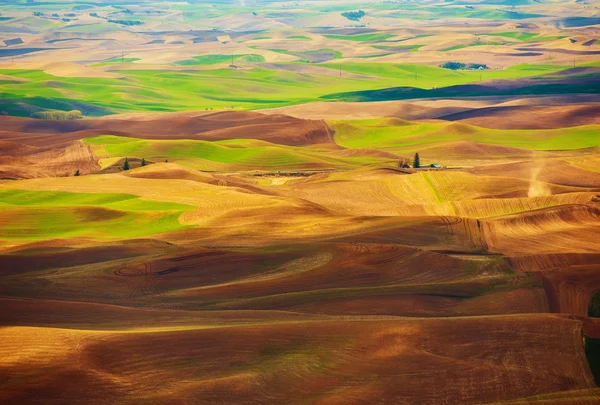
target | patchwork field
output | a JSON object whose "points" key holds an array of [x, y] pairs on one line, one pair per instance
{"points": [[333, 202]]}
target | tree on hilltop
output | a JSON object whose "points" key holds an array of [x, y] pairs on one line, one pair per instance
{"points": [[126, 164], [77, 173], [417, 161], [143, 162]]}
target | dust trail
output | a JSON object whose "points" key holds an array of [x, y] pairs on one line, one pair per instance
{"points": [[536, 187]]}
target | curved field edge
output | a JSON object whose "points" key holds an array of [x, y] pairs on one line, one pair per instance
{"points": [[234, 153], [256, 88], [398, 135], [40, 215]]}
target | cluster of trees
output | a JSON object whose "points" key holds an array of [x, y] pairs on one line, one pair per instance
{"points": [[354, 15], [125, 22], [464, 66], [57, 115], [126, 165], [122, 22], [405, 162]]}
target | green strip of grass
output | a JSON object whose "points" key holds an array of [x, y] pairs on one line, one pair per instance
{"points": [[462, 46], [300, 37], [253, 88], [38, 215], [412, 48], [361, 37], [116, 61], [408, 137], [521, 36], [160, 90], [242, 152], [423, 76], [220, 59]]}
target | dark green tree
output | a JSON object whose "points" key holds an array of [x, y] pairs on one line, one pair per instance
{"points": [[126, 164], [143, 162], [416, 161], [77, 173]]}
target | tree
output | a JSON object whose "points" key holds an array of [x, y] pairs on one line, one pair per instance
{"points": [[57, 115], [416, 161], [143, 162], [77, 173], [404, 163], [354, 15], [126, 164]]}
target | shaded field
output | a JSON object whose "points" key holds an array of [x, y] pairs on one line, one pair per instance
{"points": [[208, 126], [293, 359]]}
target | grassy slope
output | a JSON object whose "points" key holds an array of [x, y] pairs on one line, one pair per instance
{"points": [[523, 36], [155, 90], [432, 76], [210, 155], [219, 59], [38, 215], [361, 37], [385, 134], [116, 61]]}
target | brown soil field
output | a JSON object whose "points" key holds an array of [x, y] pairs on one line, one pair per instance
{"points": [[19, 161], [493, 112], [370, 285], [283, 268], [279, 129], [340, 287], [284, 362], [529, 117]]}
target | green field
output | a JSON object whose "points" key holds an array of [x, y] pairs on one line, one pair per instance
{"points": [[205, 155], [403, 136], [523, 36], [423, 76], [38, 215], [220, 59], [462, 46], [299, 37], [254, 88], [361, 37], [158, 90], [412, 48], [116, 61]]}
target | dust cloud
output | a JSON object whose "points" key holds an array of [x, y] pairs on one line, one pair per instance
{"points": [[536, 187]]}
